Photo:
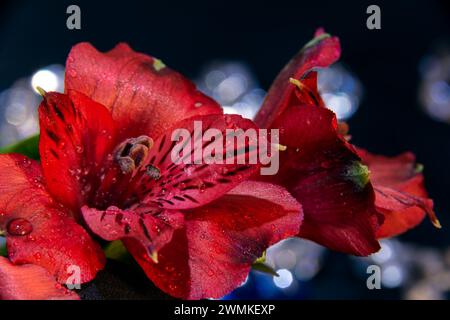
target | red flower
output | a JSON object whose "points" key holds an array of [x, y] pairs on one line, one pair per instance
{"points": [[347, 206], [105, 162]]}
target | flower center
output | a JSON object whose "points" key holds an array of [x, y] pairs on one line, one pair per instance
{"points": [[131, 153]]}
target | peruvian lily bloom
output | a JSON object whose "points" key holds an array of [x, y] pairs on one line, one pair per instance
{"points": [[106, 169], [350, 198]]}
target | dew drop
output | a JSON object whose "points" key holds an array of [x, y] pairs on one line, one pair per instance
{"points": [[169, 268], [156, 229], [172, 287], [19, 227], [73, 73], [26, 163]]}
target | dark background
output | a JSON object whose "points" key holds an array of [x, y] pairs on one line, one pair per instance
{"points": [[187, 34]]}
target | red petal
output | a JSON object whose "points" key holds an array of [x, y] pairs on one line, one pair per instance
{"points": [[320, 52], [152, 229], [30, 282], [324, 174], [400, 192], [38, 230], [76, 135], [182, 185], [212, 254], [144, 96]]}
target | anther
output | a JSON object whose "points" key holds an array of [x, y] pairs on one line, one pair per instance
{"points": [[131, 153]]}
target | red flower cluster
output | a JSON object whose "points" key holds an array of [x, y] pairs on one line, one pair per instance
{"points": [[195, 229]]}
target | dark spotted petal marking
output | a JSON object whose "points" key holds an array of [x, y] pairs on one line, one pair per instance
{"points": [[179, 185], [151, 228], [76, 135], [213, 251]]}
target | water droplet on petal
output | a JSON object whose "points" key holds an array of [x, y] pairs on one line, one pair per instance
{"points": [[172, 287], [19, 227], [26, 163], [169, 268]]}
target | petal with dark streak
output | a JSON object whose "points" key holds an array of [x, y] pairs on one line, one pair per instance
{"points": [[76, 136], [179, 171], [400, 193], [325, 175], [152, 229]]}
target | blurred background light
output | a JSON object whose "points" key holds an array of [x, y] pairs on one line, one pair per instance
{"points": [[233, 86], [391, 276], [385, 253], [434, 90], [284, 278], [340, 90], [50, 78]]}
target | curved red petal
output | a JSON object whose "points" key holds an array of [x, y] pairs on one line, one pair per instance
{"points": [[213, 253], [143, 95], [195, 178], [38, 230], [152, 229], [321, 51], [30, 282], [325, 175], [76, 135], [400, 192]]}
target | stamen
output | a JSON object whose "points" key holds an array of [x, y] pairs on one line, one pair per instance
{"points": [[279, 147], [153, 172], [302, 87], [154, 256], [131, 153], [41, 91]]}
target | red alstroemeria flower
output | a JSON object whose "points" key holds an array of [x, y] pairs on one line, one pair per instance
{"points": [[105, 163], [343, 209]]}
